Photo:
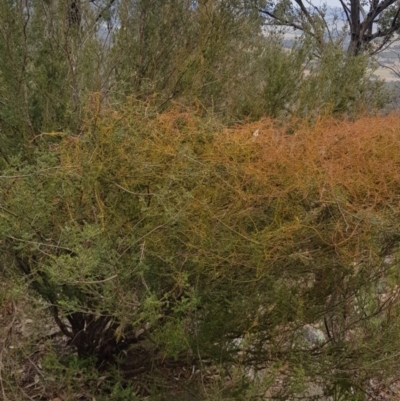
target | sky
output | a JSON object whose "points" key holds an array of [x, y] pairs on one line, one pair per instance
{"points": [[330, 3]]}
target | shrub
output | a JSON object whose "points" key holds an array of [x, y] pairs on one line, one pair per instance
{"points": [[172, 240]]}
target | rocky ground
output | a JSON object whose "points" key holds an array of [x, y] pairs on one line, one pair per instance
{"points": [[29, 340]]}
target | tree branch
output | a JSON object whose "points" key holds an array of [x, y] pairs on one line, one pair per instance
{"points": [[282, 21], [107, 7], [395, 18], [305, 12], [377, 8], [346, 10]]}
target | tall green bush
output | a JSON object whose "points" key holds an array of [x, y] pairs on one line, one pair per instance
{"points": [[212, 56]]}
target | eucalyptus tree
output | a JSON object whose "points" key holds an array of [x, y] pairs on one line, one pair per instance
{"points": [[370, 25]]}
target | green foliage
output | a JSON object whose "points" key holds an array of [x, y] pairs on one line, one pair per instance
{"points": [[296, 83], [46, 72], [71, 375], [339, 84]]}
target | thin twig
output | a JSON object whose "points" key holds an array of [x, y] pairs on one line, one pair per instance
{"points": [[40, 244], [6, 210], [6, 344], [36, 173], [133, 193], [96, 281]]}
